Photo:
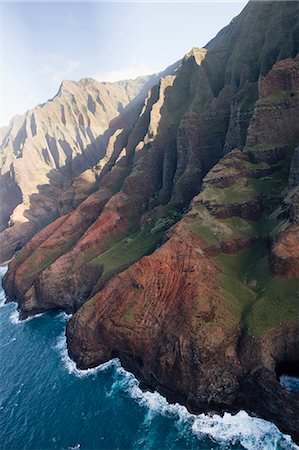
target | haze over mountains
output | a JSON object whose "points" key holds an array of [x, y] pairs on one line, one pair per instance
{"points": [[177, 241], [44, 151]]}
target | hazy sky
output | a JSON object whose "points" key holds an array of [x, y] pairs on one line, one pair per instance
{"points": [[43, 43]]}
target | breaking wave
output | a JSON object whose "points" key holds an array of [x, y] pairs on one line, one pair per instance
{"points": [[252, 433], [3, 270], [15, 317], [70, 365]]}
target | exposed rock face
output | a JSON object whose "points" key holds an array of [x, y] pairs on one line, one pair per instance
{"points": [[294, 170], [207, 312], [44, 150], [167, 320], [183, 282]]}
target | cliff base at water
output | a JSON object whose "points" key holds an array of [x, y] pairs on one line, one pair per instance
{"points": [[183, 258]]}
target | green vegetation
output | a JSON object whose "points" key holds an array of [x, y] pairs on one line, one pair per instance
{"points": [[49, 256], [260, 147], [256, 166], [128, 317], [203, 232], [282, 96], [271, 189], [249, 97], [163, 223], [214, 230], [279, 301], [185, 85], [127, 251], [245, 263], [22, 254], [259, 300], [240, 192], [276, 184], [256, 298]]}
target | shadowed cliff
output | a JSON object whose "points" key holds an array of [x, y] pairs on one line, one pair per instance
{"points": [[184, 261], [44, 152]]}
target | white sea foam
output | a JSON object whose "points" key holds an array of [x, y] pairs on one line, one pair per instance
{"points": [[3, 270], [15, 317], [252, 433], [70, 365], [64, 316], [2, 298]]}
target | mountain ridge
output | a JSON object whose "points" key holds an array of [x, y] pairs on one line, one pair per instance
{"points": [[59, 141], [183, 261]]}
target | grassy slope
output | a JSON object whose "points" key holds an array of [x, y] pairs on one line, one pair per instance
{"points": [[257, 299], [247, 46], [127, 251]]}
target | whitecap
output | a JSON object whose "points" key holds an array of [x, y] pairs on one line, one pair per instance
{"points": [[70, 365], [2, 299], [64, 316], [15, 317], [251, 432], [3, 270]]}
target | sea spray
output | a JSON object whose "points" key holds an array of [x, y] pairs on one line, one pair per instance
{"points": [[69, 364], [225, 432], [252, 433], [15, 317], [3, 270], [2, 299]]}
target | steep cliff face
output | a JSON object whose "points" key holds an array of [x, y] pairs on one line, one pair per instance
{"points": [[43, 152], [206, 312]]}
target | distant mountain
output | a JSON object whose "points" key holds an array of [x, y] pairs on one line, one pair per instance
{"points": [[43, 151], [184, 259]]}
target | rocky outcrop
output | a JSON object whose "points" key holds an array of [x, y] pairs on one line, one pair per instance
{"points": [[275, 112], [183, 262], [285, 253], [183, 283], [270, 124], [168, 322]]}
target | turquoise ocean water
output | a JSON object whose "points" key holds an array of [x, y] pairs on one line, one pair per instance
{"points": [[46, 403]]}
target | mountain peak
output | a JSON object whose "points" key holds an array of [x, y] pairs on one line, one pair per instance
{"points": [[197, 53], [71, 85], [86, 81], [67, 85]]}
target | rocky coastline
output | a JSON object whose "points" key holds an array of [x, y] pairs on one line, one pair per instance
{"points": [[178, 252]]}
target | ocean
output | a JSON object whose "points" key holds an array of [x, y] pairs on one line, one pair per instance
{"points": [[46, 403]]}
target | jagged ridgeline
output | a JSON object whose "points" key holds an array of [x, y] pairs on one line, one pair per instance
{"points": [[179, 249], [48, 157]]}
